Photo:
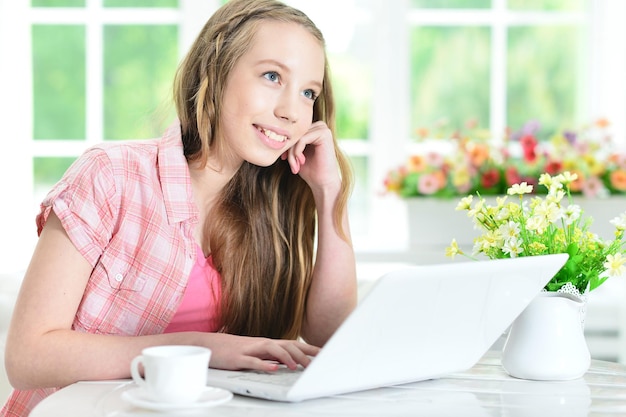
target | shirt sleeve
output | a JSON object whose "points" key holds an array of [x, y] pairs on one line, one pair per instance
{"points": [[87, 203]]}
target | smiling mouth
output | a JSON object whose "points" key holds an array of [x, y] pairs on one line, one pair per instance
{"points": [[272, 135]]}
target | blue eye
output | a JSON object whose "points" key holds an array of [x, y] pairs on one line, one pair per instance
{"points": [[272, 76], [310, 94]]}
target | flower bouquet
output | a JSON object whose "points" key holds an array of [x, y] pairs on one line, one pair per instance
{"points": [[470, 164], [546, 224]]}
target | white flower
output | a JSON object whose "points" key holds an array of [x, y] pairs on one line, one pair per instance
{"points": [[571, 214], [520, 189], [549, 211], [503, 214], [615, 264], [512, 247], [620, 222], [509, 230], [537, 223]]}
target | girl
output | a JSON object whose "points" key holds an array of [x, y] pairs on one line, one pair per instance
{"points": [[229, 232]]}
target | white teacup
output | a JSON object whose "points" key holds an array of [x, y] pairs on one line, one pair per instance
{"points": [[172, 374]]}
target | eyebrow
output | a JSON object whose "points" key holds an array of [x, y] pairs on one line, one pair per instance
{"points": [[287, 70]]}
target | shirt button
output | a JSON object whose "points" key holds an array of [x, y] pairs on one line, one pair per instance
{"points": [[119, 277]]}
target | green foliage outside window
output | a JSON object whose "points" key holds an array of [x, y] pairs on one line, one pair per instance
{"points": [[58, 3], [451, 4], [59, 81], [449, 76], [352, 99], [140, 3], [542, 73], [139, 66]]}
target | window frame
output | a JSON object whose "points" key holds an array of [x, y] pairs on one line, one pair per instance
{"points": [[604, 64]]}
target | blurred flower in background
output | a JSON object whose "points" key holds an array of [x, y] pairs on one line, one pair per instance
{"points": [[472, 162]]}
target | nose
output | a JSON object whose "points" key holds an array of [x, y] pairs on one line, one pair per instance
{"points": [[286, 107]]}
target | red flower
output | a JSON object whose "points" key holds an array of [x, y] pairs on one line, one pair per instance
{"points": [[554, 168], [529, 145], [490, 178], [512, 176]]}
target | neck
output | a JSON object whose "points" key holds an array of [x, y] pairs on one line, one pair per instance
{"points": [[207, 184]]}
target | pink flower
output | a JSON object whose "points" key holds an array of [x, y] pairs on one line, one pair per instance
{"points": [[434, 159], [429, 184], [592, 187]]}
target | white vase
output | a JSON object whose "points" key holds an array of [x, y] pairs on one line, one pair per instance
{"points": [[547, 341]]}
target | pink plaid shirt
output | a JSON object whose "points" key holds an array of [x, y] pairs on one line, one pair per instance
{"points": [[128, 208]]}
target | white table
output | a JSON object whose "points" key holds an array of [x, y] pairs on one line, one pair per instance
{"points": [[484, 390]]}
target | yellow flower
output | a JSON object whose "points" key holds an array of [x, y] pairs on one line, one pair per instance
{"points": [[465, 203], [461, 177], [453, 249], [555, 195], [537, 248], [537, 223], [567, 177], [477, 208], [615, 264], [546, 180], [520, 189]]}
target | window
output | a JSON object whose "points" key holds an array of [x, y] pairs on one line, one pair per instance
{"points": [[78, 72]]}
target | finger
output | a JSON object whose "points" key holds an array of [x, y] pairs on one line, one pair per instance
{"points": [[293, 161], [273, 350], [258, 364], [298, 355], [308, 349]]}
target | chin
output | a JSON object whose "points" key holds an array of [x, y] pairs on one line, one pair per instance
{"points": [[264, 163]]}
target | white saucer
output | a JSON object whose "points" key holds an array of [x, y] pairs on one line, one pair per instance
{"points": [[209, 398]]}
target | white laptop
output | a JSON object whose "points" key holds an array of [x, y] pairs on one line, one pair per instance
{"points": [[414, 324]]}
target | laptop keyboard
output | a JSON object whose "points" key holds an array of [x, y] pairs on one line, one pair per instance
{"points": [[282, 376]]}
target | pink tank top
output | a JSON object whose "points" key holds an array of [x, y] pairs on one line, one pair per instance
{"points": [[199, 309]]}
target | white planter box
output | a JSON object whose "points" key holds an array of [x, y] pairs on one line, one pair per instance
{"points": [[434, 222]]}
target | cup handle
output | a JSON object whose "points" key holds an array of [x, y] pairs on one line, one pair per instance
{"points": [[134, 371]]}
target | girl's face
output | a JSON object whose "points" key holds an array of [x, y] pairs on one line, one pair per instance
{"points": [[269, 95]]}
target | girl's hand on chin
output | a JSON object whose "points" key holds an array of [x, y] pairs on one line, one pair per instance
{"points": [[313, 157], [241, 352]]}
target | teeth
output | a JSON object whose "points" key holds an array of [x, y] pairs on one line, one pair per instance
{"points": [[273, 135]]}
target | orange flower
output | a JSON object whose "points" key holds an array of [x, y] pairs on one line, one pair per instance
{"points": [[422, 132], [618, 179], [478, 154], [578, 184], [602, 123], [416, 163], [440, 177]]}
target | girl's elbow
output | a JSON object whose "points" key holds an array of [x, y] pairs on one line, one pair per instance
{"points": [[14, 372], [18, 368]]}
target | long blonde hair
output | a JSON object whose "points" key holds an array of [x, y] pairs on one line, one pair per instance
{"points": [[262, 230]]}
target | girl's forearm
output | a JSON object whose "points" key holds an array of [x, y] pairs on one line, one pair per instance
{"points": [[333, 292]]}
